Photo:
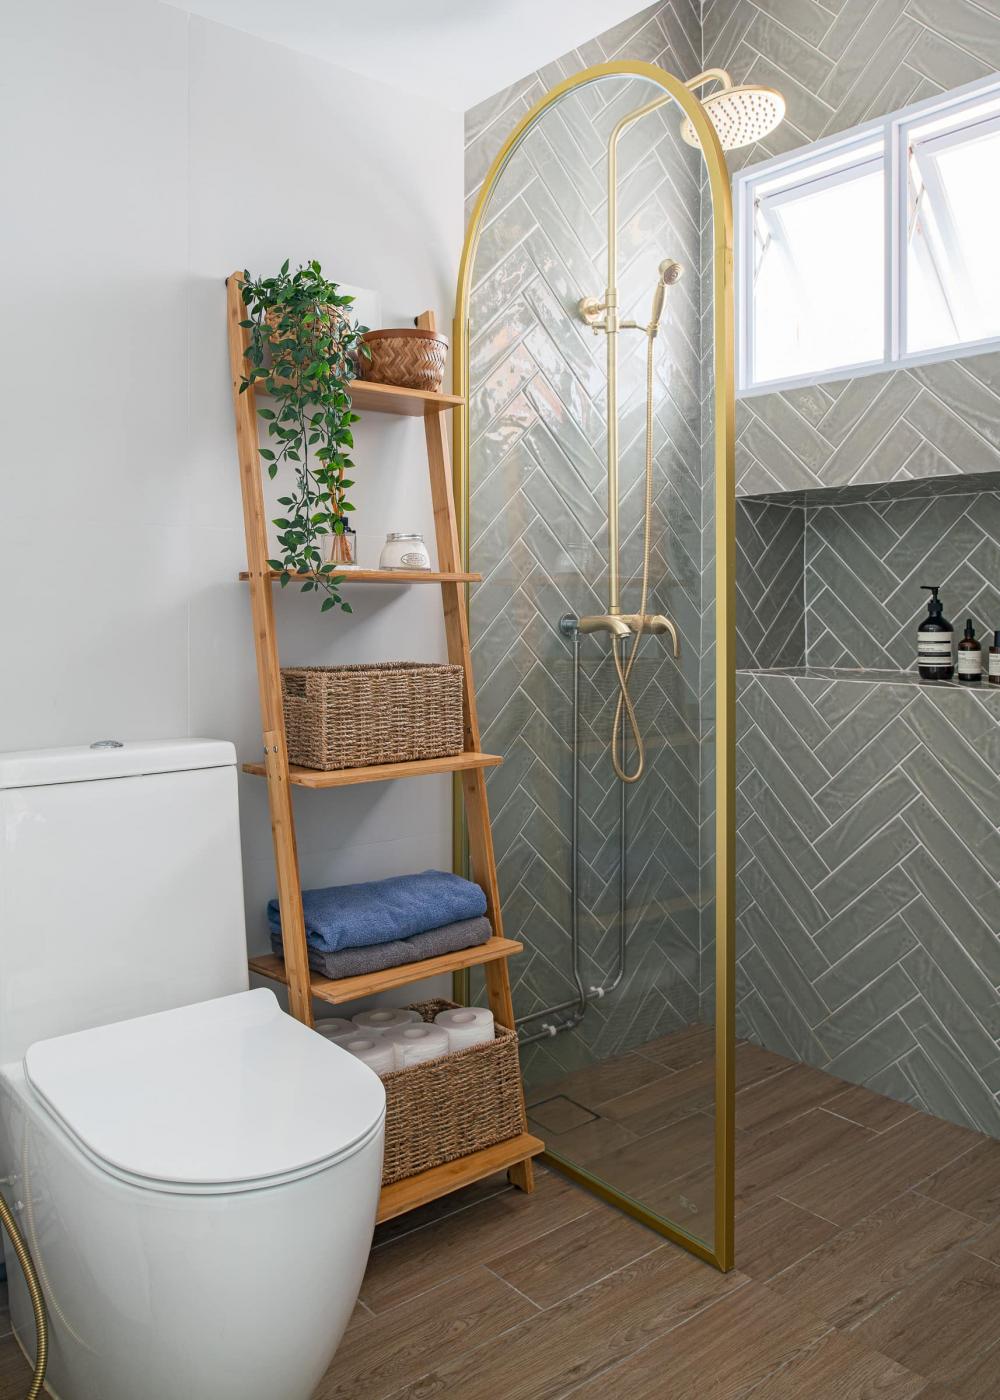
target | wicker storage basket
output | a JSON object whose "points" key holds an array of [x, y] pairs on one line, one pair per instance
{"points": [[355, 716], [411, 359], [331, 322], [447, 1108]]}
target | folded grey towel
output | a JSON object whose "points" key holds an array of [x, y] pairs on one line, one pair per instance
{"points": [[355, 962]]}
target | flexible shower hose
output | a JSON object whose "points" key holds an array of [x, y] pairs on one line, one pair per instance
{"points": [[624, 673], [35, 1293]]}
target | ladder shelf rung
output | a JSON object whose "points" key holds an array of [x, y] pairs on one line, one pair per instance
{"points": [[396, 576], [380, 772], [426, 1186], [370, 397], [344, 989]]}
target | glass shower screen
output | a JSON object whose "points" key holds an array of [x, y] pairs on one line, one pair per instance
{"points": [[606, 859]]}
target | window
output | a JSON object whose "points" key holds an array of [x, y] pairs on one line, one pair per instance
{"points": [[875, 248]]}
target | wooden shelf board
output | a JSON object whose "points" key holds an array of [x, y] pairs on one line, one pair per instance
{"points": [[397, 576], [391, 398], [344, 989], [380, 772], [417, 1190]]}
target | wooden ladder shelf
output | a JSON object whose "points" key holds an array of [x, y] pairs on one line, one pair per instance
{"points": [[303, 985]]}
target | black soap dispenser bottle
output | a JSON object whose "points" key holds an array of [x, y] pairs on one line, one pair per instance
{"points": [[935, 661], [970, 657]]}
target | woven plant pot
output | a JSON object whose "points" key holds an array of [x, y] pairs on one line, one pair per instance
{"points": [[410, 359], [331, 323], [449, 1107], [357, 716]]}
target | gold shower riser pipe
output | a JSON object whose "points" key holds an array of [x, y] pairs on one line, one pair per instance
{"points": [[612, 327]]}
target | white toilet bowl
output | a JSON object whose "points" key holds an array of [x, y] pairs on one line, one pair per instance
{"points": [[198, 1189]]}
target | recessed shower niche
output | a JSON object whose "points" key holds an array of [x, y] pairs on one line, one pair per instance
{"points": [[868, 801]]}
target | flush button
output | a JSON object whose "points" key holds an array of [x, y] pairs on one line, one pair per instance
{"points": [[108, 744]]}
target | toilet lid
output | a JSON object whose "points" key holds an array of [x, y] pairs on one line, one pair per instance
{"points": [[213, 1096]]}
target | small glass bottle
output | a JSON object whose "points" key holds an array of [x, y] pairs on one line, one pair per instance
{"points": [[970, 657], [344, 548], [994, 661]]}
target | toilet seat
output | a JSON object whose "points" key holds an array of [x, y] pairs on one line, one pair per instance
{"points": [[223, 1096]]}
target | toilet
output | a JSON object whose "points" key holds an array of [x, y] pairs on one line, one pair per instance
{"points": [[195, 1173]]}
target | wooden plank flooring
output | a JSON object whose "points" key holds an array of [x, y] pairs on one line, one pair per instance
{"points": [[868, 1256]]}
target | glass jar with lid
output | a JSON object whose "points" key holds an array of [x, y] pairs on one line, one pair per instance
{"points": [[404, 551]]}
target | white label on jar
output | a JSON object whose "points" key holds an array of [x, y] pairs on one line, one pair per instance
{"points": [[414, 561], [970, 663], [995, 663]]}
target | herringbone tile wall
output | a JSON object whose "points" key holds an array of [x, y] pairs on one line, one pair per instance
{"points": [[856, 603], [897, 985], [538, 533], [869, 838]]}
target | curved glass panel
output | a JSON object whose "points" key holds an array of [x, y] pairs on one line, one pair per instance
{"points": [[609, 884]]}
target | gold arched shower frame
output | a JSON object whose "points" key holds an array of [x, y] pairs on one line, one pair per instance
{"points": [[721, 1252]]}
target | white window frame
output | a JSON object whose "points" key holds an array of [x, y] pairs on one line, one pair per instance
{"points": [[890, 135]]}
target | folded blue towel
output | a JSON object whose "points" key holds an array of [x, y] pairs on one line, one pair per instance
{"points": [[379, 911]]}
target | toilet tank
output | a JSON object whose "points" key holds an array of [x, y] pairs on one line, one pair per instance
{"points": [[121, 888]]}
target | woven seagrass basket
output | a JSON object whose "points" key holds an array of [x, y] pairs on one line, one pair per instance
{"points": [[410, 359], [356, 716], [447, 1108], [331, 322]]}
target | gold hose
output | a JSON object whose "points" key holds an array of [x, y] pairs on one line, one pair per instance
{"points": [[624, 674], [35, 1293]]}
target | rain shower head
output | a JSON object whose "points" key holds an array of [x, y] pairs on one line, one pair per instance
{"points": [[740, 115]]}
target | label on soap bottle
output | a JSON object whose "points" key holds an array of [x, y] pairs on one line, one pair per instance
{"points": [[970, 663], [995, 663], [934, 648]]}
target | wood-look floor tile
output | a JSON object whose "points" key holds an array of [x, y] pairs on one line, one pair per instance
{"points": [[945, 1325], [682, 1048], [15, 1373], [837, 1367], [766, 1164], [864, 1175], [971, 1184], [987, 1245], [852, 1276], [550, 1353], [585, 1144], [643, 1166], [753, 1064], [935, 1392], [405, 1267], [728, 1350], [869, 1109], [563, 1261], [781, 1097], [600, 1082], [396, 1348], [559, 1114], [775, 1234], [444, 1205], [663, 1101]]}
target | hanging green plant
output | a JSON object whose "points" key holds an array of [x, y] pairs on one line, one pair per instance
{"points": [[302, 341]]}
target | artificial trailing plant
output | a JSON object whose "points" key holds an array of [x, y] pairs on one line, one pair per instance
{"points": [[301, 345]]}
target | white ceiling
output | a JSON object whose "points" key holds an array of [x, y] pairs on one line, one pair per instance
{"points": [[455, 52]]}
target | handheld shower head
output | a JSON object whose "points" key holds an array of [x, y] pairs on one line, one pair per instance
{"points": [[669, 272]]}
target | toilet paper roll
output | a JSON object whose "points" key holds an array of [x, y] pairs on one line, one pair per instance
{"points": [[335, 1027], [413, 1045], [466, 1026], [385, 1019], [376, 1052]]}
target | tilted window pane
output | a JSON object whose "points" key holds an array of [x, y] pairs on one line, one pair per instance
{"points": [[820, 276], [953, 272]]}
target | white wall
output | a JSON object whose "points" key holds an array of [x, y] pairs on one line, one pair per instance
{"points": [[148, 154]]}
